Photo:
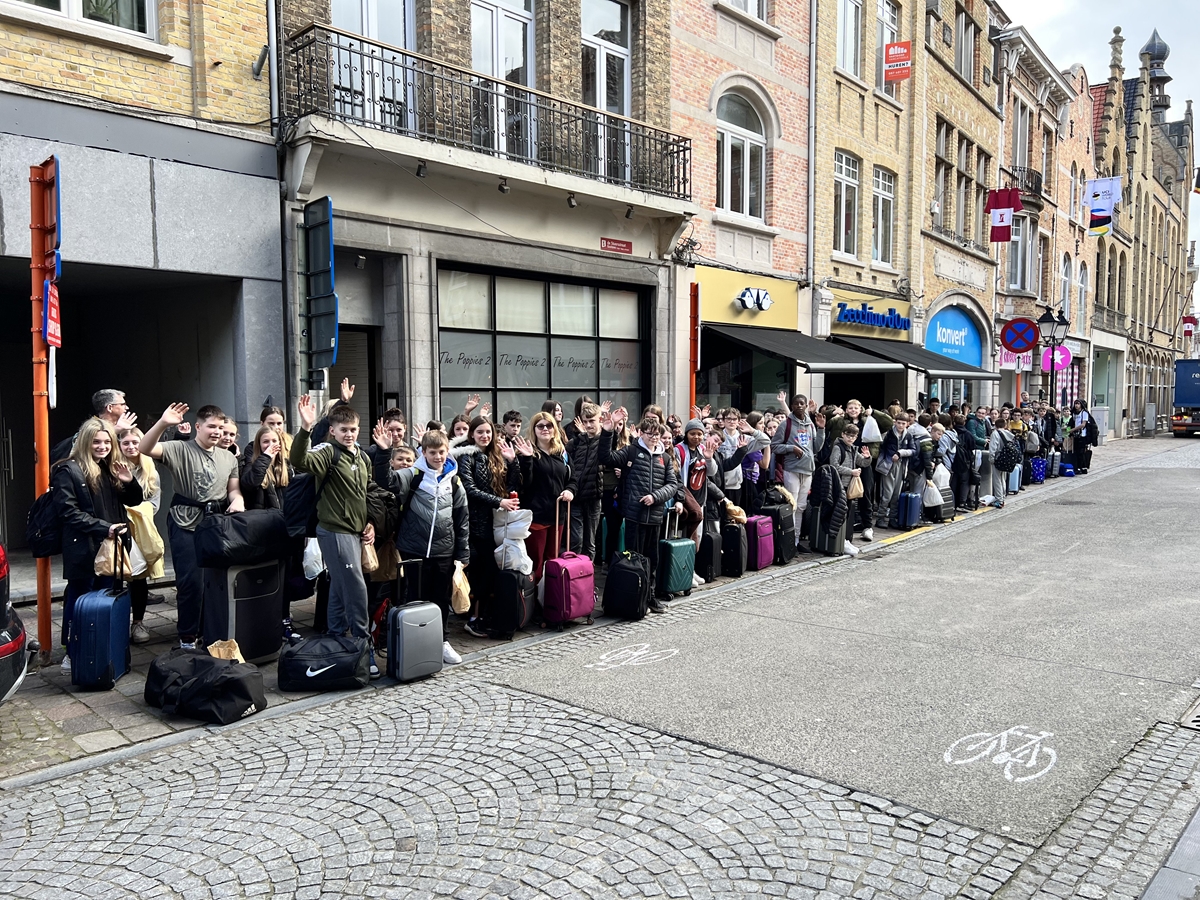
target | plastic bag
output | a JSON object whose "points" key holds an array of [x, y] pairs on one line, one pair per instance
{"points": [[132, 563], [870, 431], [511, 525], [941, 477], [313, 563], [147, 538], [931, 496], [460, 600], [855, 490], [226, 650], [370, 561]]}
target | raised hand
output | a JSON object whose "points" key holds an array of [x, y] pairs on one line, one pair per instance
{"points": [[743, 440], [126, 420], [184, 428], [707, 410], [485, 410], [818, 420], [782, 397], [605, 406], [347, 390], [523, 446], [744, 427], [578, 423], [507, 451], [308, 412], [709, 446], [381, 436], [418, 430], [174, 414], [472, 402], [124, 473]]}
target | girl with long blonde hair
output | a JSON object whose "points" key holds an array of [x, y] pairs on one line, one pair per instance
{"points": [[546, 480], [129, 440]]}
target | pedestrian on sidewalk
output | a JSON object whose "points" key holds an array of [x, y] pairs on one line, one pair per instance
{"points": [[851, 459], [583, 451], [92, 487], [129, 440], [795, 447], [547, 480], [206, 480], [891, 466]]}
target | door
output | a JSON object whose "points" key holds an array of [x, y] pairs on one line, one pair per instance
{"points": [[373, 84], [503, 116], [605, 61], [356, 362]]}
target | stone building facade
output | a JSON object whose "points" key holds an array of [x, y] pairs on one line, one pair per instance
{"points": [[161, 120]]}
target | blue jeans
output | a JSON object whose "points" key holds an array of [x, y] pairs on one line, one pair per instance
{"points": [[189, 583]]}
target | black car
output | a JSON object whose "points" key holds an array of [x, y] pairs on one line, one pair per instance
{"points": [[15, 645]]}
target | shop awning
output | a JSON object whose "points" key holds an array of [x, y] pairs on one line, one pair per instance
{"points": [[811, 354], [913, 357]]}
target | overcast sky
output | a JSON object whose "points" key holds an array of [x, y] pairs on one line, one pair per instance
{"points": [[1072, 31]]}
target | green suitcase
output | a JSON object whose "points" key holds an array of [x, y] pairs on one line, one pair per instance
{"points": [[676, 559]]}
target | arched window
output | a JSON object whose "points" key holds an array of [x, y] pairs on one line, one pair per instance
{"points": [[1065, 287], [741, 157], [1081, 304], [1084, 209], [1074, 190]]}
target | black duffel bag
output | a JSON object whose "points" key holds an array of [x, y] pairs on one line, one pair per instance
{"points": [[193, 684], [325, 662], [241, 539]]}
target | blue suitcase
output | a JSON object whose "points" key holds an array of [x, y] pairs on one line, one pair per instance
{"points": [[99, 640], [1038, 466], [1014, 480], [908, 513]]}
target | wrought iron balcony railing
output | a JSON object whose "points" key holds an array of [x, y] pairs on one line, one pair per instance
{"points": [[1027, 181], [351, 79], [961, 240]]}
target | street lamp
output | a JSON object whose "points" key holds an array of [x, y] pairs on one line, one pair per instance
{"points": [[1054, 331]]}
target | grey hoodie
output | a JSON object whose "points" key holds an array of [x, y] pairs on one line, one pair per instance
{"points": [[794, 432], [755, 440]]}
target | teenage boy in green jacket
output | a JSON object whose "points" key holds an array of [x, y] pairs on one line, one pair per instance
{"points": [[342, 471]]}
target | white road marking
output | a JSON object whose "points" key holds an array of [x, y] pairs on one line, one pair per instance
{"points": [[1021, 762], [633, 655]]}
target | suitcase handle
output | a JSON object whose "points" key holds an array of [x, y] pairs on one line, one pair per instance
{"points": [[557, 540]]}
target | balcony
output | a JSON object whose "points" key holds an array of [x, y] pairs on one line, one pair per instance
{"points": [[1108, 319], [358, 82], [951, 235], [1029, 183]]}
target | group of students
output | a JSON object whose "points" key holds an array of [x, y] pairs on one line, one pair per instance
{"points": [[596, 472]]}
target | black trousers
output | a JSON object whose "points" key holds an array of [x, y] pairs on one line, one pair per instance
{"points": [[434, 584]]}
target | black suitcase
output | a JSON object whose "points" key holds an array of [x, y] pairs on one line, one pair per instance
{"points": [[513, 606], [325, 662], [734, 550], [821, 540], [946, 512], [708, 557], [245, 604], [627, 588], [782, 520]]}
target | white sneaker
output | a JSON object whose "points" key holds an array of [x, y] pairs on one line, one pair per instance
{"points": [[868, 534], [65, 666], [696, 580], [849, 549], [449, 656]]}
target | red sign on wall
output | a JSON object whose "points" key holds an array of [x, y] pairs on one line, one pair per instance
{"points": [[897, 61], [51, 319], [616, 246]]}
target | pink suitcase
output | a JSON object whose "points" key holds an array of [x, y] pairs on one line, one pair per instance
{"points": [[760, 542], [570, 584]]}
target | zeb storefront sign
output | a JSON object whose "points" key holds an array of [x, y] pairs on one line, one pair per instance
{"points": [[865, 315]]}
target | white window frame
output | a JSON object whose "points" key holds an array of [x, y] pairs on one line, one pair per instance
{"points": [[1081, 307], [1021, 126], [1047, 160], [887, 32], [612, 133], [982, 217], [603, 50], [883, 217], [370, 20], [754, 8], [1018, 255], [849, 37], [964, 45], [1074, 190], [73, 11], [847, 181], [725, 132], [1065, 281]]}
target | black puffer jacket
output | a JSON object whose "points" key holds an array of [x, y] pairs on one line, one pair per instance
{"points": [[251, 481], [830, 496], [477, 479], [642, 473], [583, 453], [85, 517], [543, 478]]}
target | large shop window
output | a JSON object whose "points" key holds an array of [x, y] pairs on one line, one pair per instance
{"points": [[517, 341]]}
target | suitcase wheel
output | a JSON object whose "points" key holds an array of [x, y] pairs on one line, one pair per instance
{"points": [[590, 620], [688, 592]]}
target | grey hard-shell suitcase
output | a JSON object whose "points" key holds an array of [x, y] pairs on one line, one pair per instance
{"points": [[414, 641], [1053, 461]]}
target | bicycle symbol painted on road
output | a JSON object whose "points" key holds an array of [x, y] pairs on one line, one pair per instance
{"points": [[1021, 761], [633, 655]]}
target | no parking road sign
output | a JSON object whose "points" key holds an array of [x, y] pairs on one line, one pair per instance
{"points": [[1020, 335]]}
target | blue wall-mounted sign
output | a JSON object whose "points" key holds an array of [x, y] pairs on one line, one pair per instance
{"points": [[865, 315], [952, 333]]}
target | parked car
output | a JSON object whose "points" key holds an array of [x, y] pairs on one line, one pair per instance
{"points": [[15, 645]]}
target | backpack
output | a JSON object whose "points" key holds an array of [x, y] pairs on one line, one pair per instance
{"points": [[1032, 442], [300, 501], [964, 455], [382, 511], [42, 529], [1091, 431], [1008, 457]]}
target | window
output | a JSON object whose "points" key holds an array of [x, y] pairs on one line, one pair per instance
{"points": [[1047, 160], [982, 219], [387, 21], [131, 15], [1065, 287], [941, 171], [605, 55], [1021, 116], [1084, 208], [1017, 253], [1081, 307], [502, 47], [883, 217], [741, 157], [756, 8], [845, 203], [1074, 190], [849, 37], [888, 32], [1044, 286], [964, 45], [962, 192]]}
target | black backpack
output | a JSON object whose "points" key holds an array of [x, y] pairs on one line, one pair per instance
{"points": [[43, 532], [300, 501], [1009, 456], [1091, 431], [382, 511]]}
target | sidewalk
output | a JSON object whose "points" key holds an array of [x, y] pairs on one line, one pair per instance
{"points": [[50, 722]]}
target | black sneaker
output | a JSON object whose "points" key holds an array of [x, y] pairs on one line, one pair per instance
{"points": [[474, 627], [656, 606]]}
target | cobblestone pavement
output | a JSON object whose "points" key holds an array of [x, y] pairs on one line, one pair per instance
{"points": [[461, 787]]}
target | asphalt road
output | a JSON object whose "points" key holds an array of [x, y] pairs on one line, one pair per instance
{"points": [[1073, 616]]}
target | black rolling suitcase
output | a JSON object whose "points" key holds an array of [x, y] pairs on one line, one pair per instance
{"points": [[946, 512], [627, 588], [784, 524], [820, 537], [734, 550], [708, 556], [513, 606]]}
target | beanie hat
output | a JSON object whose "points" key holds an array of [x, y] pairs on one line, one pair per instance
{"points": [[693, 425]]}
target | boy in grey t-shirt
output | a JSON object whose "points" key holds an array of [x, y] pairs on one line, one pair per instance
{"points": [[203, 473]]}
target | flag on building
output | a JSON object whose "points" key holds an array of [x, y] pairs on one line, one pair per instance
{"points": [[1103, 194], [1002, 203]]}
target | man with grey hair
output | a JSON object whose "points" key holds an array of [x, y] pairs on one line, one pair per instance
{"points": [[795, 447], [109, 404]]}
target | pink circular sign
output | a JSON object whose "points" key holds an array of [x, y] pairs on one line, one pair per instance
{"points": [[1062, 358]]}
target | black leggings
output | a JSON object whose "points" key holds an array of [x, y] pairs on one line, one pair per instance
{"points": [[139, 591]]}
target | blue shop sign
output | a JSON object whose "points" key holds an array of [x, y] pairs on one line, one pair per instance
{"points": [[865, 315], [952, 333]]}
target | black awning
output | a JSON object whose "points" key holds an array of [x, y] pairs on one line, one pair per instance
{"points": [[815, 356], [913, 357]]}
